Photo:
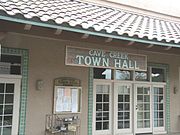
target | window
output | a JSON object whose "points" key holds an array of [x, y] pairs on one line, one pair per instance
{"points": [[158, 75], [123, 75], [10, 64], [101, 73], [141, 76]]}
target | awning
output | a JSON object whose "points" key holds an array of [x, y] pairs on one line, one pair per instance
{"points": [[88, 17]]}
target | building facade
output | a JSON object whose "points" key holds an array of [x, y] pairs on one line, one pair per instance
{"points": [[75, 67]]}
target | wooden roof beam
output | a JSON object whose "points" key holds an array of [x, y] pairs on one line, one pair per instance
{"points": [[167, 48], [150, 46], [27, 27], [58, 32], [108, 40], [85, 36], [130, 43]]}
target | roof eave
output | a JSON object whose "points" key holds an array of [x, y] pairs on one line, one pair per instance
{"points": [[73, 29]]}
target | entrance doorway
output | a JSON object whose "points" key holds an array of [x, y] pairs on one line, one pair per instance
{"points": [[128, 108], [142, 109], [9, 104]]}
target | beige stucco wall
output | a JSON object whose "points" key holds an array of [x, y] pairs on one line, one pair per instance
{"points": [[47, 63]]}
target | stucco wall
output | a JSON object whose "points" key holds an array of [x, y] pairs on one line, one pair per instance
{"points": [[47, 63]]}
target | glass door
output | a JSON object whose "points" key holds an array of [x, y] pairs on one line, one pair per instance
{"points": [[143, 109], [9, 106], [102, 108], [158, 109], [122, 108]]}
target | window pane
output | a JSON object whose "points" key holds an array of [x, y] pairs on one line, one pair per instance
{"points": [[105, 116], [98, 98], [6, 130], [105, 125], [120, 98], [120, 115], [123, 75], [9, 88], [1, 98], [161, 123], [160, 99], [127, 99], [155, 107], [98, 116], [126, 107], [126, 116], [120, 124], [105, 98], [9, 98], [155, 123], [140, 98], [120, 107], [8, 109], [158, 75], [160, 106], [140, 90], [126, 124], [16, 70], [98, 125], [160, 114], [1, 87], [101, 73], [140, 124], [147, 123], [146, 106], [106, 107], [141, 76], [147, 98], [160, 90], [155, 114], [7, 120], [147, 115], [139, 115], [99, 107], [1, 109], [0, 121]]}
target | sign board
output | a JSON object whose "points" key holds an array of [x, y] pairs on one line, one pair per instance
{"points": [[98, 58]]}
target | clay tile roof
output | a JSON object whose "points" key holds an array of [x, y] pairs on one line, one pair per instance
{"points": [[88, 16]]}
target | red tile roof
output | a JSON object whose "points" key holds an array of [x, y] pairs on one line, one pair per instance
{"points": [[92, 17]]}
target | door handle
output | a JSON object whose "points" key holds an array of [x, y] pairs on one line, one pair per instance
{"points": [[136, 107]]}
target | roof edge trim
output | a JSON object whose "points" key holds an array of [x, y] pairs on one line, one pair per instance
{"points": [[17, 20]]}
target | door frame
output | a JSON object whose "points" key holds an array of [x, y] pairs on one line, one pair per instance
{"points": [[107, 132], [160, 129], [136, 130], [16, 79], [115, 101]]}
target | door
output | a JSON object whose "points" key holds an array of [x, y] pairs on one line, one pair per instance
{"points": [[142, 109], [158, 108], [9, 105], [102, 109], [122, 108]]}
